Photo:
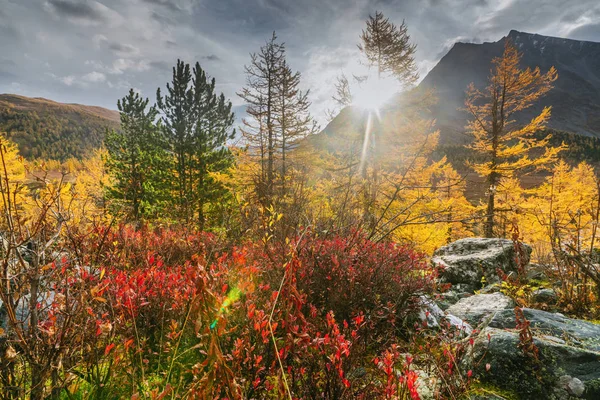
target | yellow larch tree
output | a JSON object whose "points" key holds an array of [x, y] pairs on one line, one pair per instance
{"points": [[508, 147]]}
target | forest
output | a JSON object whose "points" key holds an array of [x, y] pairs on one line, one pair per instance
{"points": [[47, 130], [185, 258]]}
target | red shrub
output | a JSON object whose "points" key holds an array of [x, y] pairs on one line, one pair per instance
{"points": [[304, 318]]}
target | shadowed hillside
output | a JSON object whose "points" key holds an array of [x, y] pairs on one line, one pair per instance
{"points": [[575, 98]]}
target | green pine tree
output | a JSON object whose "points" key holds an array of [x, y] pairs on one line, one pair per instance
{"points": [[136, 158], [197, 124]]}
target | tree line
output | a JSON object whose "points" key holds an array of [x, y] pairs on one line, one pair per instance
{"points": [[175, 159]]}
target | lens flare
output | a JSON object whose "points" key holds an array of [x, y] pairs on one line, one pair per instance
{"points": [[374, 92], [233, 296]]}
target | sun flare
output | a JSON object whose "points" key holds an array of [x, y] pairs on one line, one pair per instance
{"points": [[374, 93]]}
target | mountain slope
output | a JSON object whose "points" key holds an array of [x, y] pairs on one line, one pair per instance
{"points": [[575, 99], [50, 130]]}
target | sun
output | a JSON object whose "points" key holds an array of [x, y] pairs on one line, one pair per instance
{"points": [[374, 92]]}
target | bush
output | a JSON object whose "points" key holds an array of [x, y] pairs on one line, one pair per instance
{"points": [[164, 313]]}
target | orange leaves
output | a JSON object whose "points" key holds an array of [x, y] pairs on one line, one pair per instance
{"points": [[493, 111]]}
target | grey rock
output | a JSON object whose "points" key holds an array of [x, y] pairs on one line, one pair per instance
{"points": [[573, 386], [22, 310], [546, 296], [512, 370], [493, 288], [432, 314], [536, 272], [475, 309], [574, 332], [467, 261], [446, 299]]}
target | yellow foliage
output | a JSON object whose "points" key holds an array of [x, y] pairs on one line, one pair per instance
{"points": [[564, 206], [507, 147]]}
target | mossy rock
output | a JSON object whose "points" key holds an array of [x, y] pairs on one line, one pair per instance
{"points": [[513, 371]]}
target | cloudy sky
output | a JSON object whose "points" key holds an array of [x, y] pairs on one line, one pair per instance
{"points": [[92, 52]]}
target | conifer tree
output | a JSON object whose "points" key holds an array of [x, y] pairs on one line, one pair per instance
{"points": [[263, 76], [177, 109], [213, 121], [135, 157], [387, 47], [505, 145], [280, 116], [197, 124], [294, 121]]}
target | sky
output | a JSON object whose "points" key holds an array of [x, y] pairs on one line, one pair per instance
{"points": [[92, 52]]}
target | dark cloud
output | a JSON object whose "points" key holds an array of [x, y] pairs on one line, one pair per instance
{"points": [[589, 32], [80, 10], [160, 65], [113, 45], [7, 76], [9, 31], [7, 63], [168, 4], [211, 57], [163, 20], [122, 48]]}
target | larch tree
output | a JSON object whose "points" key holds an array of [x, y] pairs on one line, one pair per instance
{"points": [[342, 96], [263, 76], [134, 157], [197, 124], [293, 118], [388, 48], [507, 146]]}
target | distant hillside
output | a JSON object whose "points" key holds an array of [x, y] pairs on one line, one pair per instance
{"points": [[50, 130]]}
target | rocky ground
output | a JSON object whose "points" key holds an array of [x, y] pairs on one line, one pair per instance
{"points": [[564, 360]]}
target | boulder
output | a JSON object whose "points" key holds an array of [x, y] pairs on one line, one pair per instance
{"points": [[432, 314], [537, 272], [574, 332], [480, 307], [467, 261], [493, 288], [573, 386], [545, 296], [512, 370], [22, 310], [446, 299]]}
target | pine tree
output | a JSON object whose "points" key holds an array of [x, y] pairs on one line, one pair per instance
{"points": [[177, 108], [213, 121], [506, 146], [387, 47], [135, 157], [197, 124]]}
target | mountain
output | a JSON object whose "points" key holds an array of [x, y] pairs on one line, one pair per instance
{"points": [[575, 98], [46, 129]]}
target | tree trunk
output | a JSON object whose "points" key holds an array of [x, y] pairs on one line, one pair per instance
{"points": [[489, 219]]}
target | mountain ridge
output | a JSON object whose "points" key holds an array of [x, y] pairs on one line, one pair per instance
{"points": [[575, 97]]}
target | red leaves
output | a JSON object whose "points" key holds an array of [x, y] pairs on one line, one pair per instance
{"points": [[109, 348], [401, 384], [255, 310]]}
